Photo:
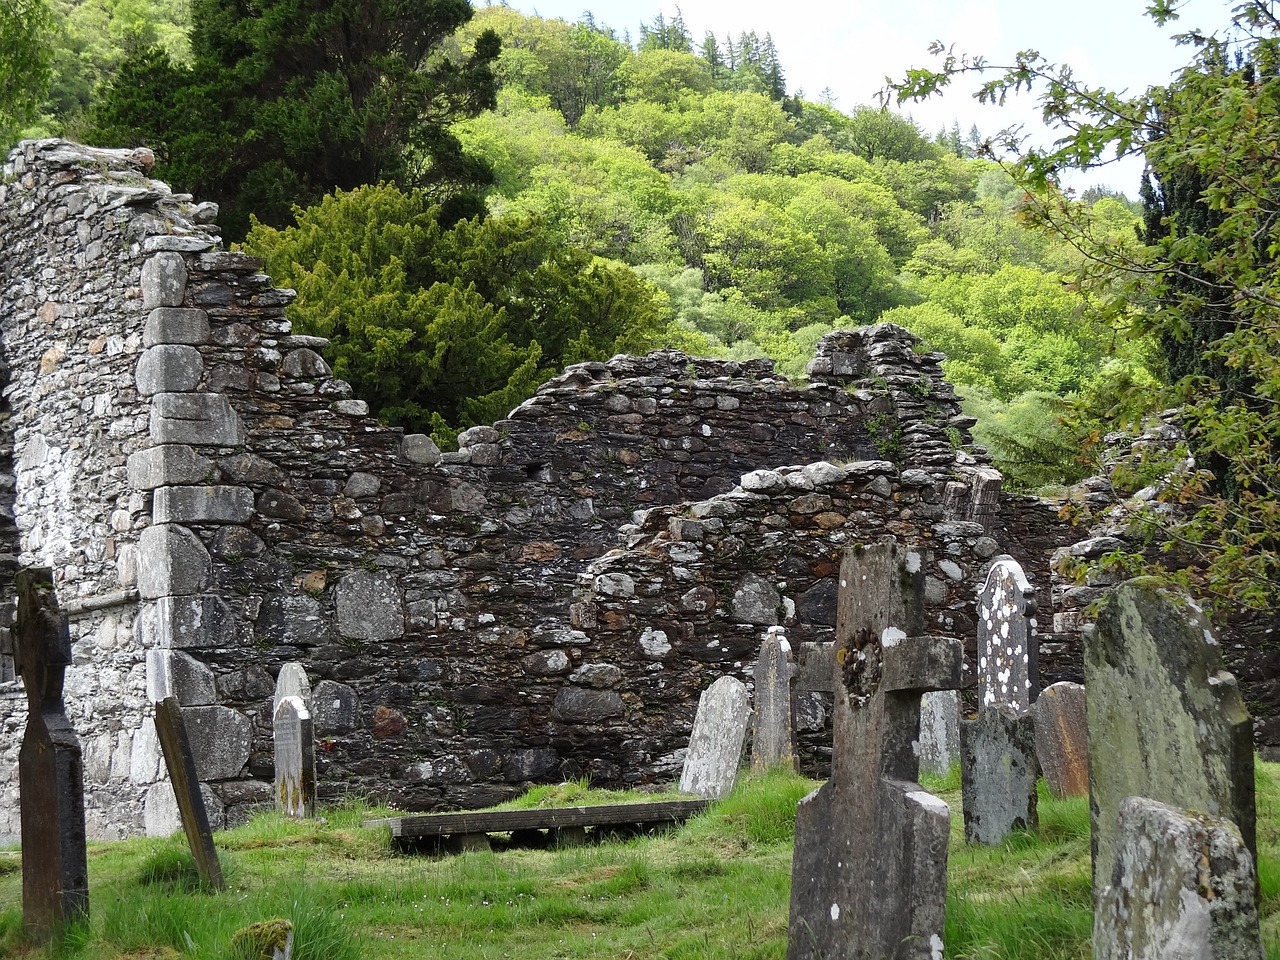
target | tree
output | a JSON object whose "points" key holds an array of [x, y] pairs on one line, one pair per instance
{"points": [[288, 99], [1204, 284], [25, 54]]}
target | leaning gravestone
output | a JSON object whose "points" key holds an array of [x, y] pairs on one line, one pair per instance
{"points": [[181, 764], [1062, 738], [771, 735], [1166, 722], [295, 758], [998, 749], [1182, 886], [869, 873], [715, 745], [55, 872]]}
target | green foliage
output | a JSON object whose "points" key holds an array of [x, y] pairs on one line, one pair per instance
{"points": [[440, 328], [25, 55], [288, 99]]}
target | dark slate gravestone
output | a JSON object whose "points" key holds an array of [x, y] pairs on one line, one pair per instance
{"points": [[771, 736], [1182, 886], [55, 873], [181, 764], [1166, 722], [1062, 738], [869, 873], [998, 765], [295, 758]]}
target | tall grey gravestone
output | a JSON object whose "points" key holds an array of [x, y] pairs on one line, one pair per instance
{"points": [[715, 745], [771, 735], [869, 873], [55, 872], [939, 731], [1166, 722], [998, 749], [1182, 886], [295, 758]]}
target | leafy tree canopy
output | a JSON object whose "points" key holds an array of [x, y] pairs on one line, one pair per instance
{"points": [[25, 54]]}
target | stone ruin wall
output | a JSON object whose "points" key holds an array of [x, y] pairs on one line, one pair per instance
{"points": [[215, 504]]}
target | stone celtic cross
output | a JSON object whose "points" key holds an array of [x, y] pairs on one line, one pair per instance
{"points": [[55, 873], [869, 870]]}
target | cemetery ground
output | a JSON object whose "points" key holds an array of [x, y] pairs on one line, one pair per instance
{"points": [[718, 887]]}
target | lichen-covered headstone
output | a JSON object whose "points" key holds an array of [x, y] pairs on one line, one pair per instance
{"points": [[771, 734], [1166, 722], [295, 758], [1182, 886], [716, 742], [870, 863], [939, 731], [1007, 649], [998, 754], [55, 873], [1062, 738]]}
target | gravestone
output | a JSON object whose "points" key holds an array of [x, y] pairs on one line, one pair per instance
{"points": [[715, 744], [181, 764], [295, 758], [1062, 738], [771, 736], [1182, 886], [291, 682], [1008, 657], [1166, 722], [939, 731], [869, 869], [998, 749], [55, 872]]}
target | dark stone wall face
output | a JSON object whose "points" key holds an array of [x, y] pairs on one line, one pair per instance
{"points": [[545, 603]]}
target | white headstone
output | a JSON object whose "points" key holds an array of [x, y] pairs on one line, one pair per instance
{"points": [[295, 758], [715, 745], [1006, 637]]}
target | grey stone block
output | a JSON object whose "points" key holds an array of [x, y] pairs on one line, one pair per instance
{"points": [[578, 705], [187, 623], [304, 364], [171, 562], [160, 816], [164, 281], [220, 739], [168, 368], [291, 619], [171, 673], [211, 504], [188, 325], [369, 606], [755, 601], [419, 448], [206, 418], [167, 464], [335, 707]]}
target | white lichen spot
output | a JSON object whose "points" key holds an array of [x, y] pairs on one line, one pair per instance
{"points": [[935, 947], [835, 912], [486, 618], [655, 642], [913, 562], [891, 637], [927, 801]]}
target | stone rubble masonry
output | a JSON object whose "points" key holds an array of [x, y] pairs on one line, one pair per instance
{"points": [[545, 602]]}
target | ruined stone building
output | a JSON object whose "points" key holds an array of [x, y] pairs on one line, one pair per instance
{"points": [[546, 603]]}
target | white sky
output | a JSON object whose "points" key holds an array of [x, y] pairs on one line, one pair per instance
{"points": [[851, 46]]}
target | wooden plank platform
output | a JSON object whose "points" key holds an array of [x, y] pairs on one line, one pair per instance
{"points": [[549, 818]]}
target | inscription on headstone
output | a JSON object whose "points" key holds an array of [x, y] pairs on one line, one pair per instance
{"points": [[295, 758], [181, 764], [1062, 738], [55, 873], [716, 742], [1166, 722], [772, 735], [869, 869]]}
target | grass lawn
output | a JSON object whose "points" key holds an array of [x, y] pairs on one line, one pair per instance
{"points": [[716, 888]]}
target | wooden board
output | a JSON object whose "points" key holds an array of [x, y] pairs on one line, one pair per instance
{"points": [[504, 821]]}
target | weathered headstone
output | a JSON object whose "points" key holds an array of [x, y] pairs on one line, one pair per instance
{"points": [[998, 774], [715, 744], [291, 682], [771, 735], [1007, 650], [870, 862], [998, 753], [55, 873], [1166, 722], [295, 758], [939, 731], [181, 764], [1182, 886], [1062, 738]]}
